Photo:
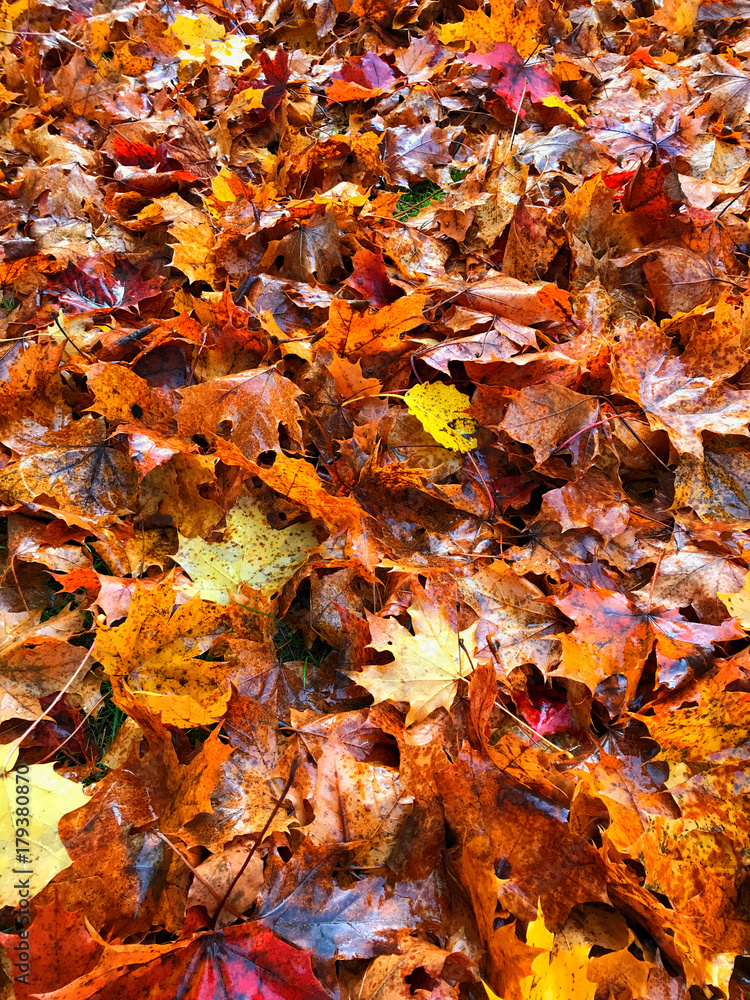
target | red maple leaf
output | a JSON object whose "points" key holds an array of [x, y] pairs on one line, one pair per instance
{"points": [[520, 79], [249, 957]]}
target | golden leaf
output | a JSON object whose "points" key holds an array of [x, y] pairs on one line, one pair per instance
{"points": [[503, 24], [439, 408]]}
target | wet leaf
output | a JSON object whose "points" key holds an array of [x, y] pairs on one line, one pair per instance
{"points": [[253, 959], [501, 25], [157, 653], [32, 836], [250, 553], [439, 408], [374, 408], [429, 664]]}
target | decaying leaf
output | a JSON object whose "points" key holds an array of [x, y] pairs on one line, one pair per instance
{"points": [[251, 553]]}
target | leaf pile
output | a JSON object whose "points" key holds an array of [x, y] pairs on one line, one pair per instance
{"points": [[375, 490]]}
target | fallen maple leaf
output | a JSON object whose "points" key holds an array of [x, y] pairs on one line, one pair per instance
{"points": [[303, 905], [311, 251], [566, 966], [552, 417], [256, 403], [351, 332], [502, 25], [361, 77], [250, 957], [520, 79], [374, 405], [428, 666], [54, 966], [614, 638], [31, 834], [250, 553], [156, 651], [79, 467]]}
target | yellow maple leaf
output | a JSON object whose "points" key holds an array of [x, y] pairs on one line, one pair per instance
{"points": [[559, 973], [226, 186], [154, 656], [195, 31], [438, 407], [232, 52], [251, 552], [678, 16], [738, 604], [31, 806], [429, 664], [503, 24]]}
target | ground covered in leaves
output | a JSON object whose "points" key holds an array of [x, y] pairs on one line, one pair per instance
{"points": [[375, 490]]}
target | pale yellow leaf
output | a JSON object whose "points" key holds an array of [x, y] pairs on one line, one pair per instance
{"points": [[429, 664], [49, 797], [251, 553], [738, 604]]}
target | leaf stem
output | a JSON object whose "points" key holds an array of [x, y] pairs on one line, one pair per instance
{"points": [[258, 840], [224, 904]]}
